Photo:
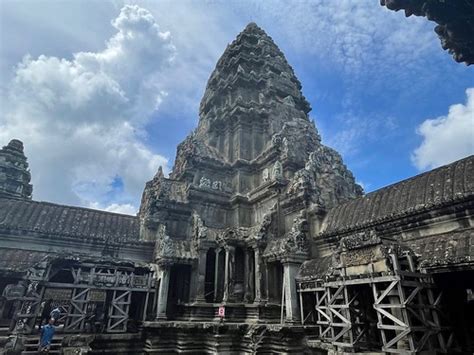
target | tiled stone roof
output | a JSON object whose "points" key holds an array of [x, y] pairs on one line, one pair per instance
{"points": [[66, 221], [18, 260], [445, 249], [315, 268], [445, 185]]}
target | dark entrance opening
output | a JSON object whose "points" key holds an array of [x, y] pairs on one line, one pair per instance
{"points": [[210, 275], [363, 317], [220, 275], [250, 278], [179, 286], [239, 274], [458, 306], [275, 281]]}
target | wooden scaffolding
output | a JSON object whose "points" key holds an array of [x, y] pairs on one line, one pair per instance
{"points": [[86, 286], [407, 308]]}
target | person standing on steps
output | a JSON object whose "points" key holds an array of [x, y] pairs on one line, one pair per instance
{"points": [[55, 314], [46, 337]]}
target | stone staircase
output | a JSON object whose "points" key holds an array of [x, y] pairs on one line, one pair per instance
{"points": [[31, 345]]}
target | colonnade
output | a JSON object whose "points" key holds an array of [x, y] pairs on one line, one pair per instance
{"points": [[235, 274]]}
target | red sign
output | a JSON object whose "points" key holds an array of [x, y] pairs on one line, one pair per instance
{"points": [[221, 312]]}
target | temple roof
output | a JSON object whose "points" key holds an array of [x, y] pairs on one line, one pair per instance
{"points": [[435, 188], [65, 221], [18, 260], [445, 249]]}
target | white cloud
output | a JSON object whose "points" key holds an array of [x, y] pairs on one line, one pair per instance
{"points": [[82, 120], [359, 36], [116, 208], [447, 138]]}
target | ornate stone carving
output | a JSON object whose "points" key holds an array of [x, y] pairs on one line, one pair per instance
{"points": [[297, 237], [164, 245], [217, 185], [199, 230], [359, 240], [205, 183], [277, 171]]}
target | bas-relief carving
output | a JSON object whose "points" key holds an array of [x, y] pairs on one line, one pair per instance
{"points": [[200, 231], [277, 171], [205, 183], [164, 247], [217, 185]]}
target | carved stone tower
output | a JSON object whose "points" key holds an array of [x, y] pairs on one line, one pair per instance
{"points": [[14, 175], [247, 186]]}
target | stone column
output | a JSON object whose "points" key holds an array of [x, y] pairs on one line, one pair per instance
{"points": [[258, 276], [226, 276], [216, 275], [201, 277], [247, 281], [290, 270], [265, 283], [163, 293], [229, 272]]}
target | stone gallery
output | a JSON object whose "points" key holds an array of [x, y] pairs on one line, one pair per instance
{"points": [[259, 241]]}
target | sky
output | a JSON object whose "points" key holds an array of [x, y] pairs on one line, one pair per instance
{"points": [[102, 92]]}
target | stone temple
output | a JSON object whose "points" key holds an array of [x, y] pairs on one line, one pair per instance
{"points": [[258, 242]]}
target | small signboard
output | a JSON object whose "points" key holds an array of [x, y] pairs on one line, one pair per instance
{"points": [[57, 294], [221, 312], [97, 295]]}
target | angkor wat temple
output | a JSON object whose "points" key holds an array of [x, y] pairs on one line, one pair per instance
{"points": [[259, 241]]}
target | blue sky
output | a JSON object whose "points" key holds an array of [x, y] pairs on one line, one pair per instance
{"points": [[101, 92]]}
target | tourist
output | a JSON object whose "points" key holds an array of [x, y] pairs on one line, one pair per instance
{"points": [[45, 312], [55, 314], [46, 337]]}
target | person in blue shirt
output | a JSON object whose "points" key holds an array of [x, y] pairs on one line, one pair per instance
{"points": [[47, 333]]}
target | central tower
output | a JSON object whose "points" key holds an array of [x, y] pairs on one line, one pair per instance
{"points": [[248, 97], [249, 186]]}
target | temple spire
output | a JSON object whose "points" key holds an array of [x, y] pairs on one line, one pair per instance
{"points": [[250, 95], [14, 174]]}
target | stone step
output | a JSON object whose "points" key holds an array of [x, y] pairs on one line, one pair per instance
{"points": [[31, 345]]}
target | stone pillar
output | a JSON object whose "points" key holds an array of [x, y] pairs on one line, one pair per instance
{"points": [[229, 272], [201, 277], [249, 276], [265, 283], [163, 293], [258, 276], [216, 275], [290, 270], [193, 282], [226, 276]]}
